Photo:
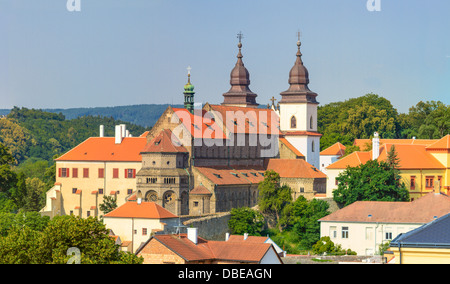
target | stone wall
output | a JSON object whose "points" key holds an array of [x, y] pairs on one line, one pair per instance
{"points": [[210, 227]]}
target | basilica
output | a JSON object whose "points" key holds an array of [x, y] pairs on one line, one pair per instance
{"points": [[203, 159]]}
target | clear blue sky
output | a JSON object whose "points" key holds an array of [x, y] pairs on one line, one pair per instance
{"points": [[122, 52]]}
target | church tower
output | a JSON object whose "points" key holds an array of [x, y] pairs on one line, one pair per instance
{"points": [[240, 93], [298, 113], [189, 93]]}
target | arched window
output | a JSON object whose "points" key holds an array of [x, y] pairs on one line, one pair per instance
{"points": [[293, 122], [312, 146], [311, 122]]}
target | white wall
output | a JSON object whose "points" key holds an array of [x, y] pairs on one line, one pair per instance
{"points": [[361, 236]]}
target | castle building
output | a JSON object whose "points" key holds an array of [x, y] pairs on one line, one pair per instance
{"points": [[206, 160]]}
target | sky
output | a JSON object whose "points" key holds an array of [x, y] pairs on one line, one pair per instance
{"points": [[122, 52]]}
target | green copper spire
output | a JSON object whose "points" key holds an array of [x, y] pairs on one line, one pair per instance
{"points": [[189, 93]]}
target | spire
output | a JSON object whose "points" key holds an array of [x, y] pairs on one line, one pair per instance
{"points": [[298, 82], [189, 93], [240, 93]]}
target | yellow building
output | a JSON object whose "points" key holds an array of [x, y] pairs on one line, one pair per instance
{"points": [[424, 164], [98, 167]]}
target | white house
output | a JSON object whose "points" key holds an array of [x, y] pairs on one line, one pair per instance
{"points": [[134, 222], [364, 225]]}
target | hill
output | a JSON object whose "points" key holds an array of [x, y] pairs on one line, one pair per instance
{"points": [[144, 115]]}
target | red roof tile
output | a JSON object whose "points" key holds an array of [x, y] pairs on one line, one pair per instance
{"points": [[294, 168], [291, 147], [146, 210], [199, 124], [105, 149], [164, 142], [226, 175], [336, 149], [442, 144]]}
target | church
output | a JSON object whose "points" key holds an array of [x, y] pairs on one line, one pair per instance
{"points": [[201, 160]]}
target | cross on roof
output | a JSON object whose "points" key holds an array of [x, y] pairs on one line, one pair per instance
{"points": [[189, 70], [240, 36], [273, 100]]}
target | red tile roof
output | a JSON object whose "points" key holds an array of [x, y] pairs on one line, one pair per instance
{"points": [[442, 144], [199, 124], [412, 157], [422, 210], [145, 210], [105, 149], [336, 149], [294, 168], [164, 142], [361, 143], [212, 250], [201, 190], [227, 176]]}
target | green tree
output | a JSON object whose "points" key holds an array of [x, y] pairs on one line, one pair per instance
{"points": [[109, 204], [245, 220], [23, 245], [273, 197], [372, 181]]}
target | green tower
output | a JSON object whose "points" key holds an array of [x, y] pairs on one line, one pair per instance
{"points": [[189, 94]]}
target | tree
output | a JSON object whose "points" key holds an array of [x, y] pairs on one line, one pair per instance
{"points": [[24, 245], [272, 196], [109, 204], [392, 159], [245, 220], [372, 181]]}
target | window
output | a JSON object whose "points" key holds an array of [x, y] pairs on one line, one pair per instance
{"points": [[63, 172], [388, 235], [152, 180], [101, 173], [302, 189], [169, 180], [75, 172], [100, 191], [312, 146], [115, 173], [345, 232], [130, 173], [293, 122], [144, 231], [195, 203], [336, 182], [74, 190], [129, 191], [429, 181], [311, 122], [369, 233], [85, 172], [88, 213], [333, 232], [412, 183]]}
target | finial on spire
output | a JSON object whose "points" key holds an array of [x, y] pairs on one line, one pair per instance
{"points": [[189, 74], [240, 36]]}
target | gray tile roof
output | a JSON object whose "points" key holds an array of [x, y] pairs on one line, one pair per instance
{"points": [[433, 234]]}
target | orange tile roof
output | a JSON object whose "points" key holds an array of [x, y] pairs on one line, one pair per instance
{"points": [[441, 144], [412, 157], [198, 124], [145, 210], [422, 210], [291, 147], [361, 143], [336, 149], [212, 250], [105, 149], [164, 142], [352, 160], [294, 168], [299, 133], [250, 239]]}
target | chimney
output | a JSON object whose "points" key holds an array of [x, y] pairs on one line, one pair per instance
{"points": [[123, 127], [245, 236], [227, 236], [375, 146], [127, 133], [192, 235], [102, 131], [118, 137]]}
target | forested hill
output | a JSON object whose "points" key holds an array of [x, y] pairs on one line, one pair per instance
{"points": [[30, 133], [144, 115]]}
